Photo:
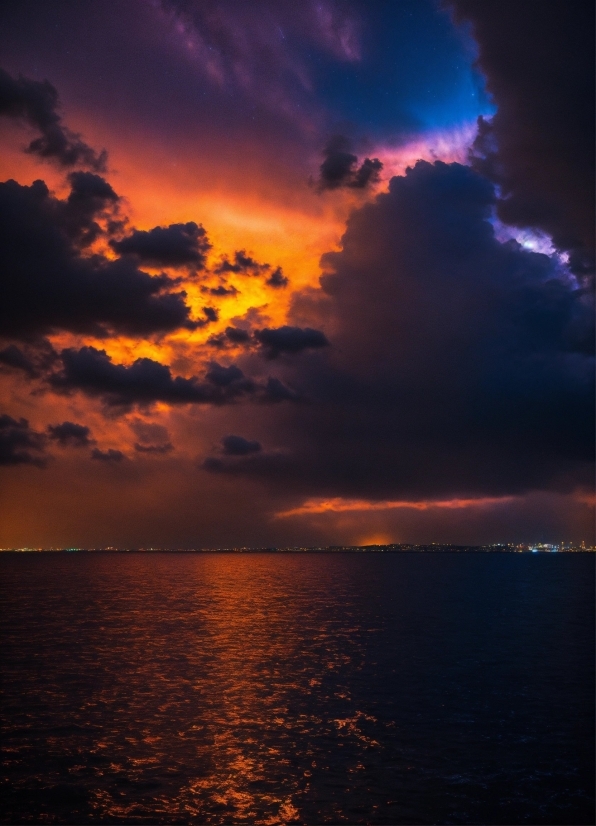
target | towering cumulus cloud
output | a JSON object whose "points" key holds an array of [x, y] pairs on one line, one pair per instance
{"points": [[458, 364]]}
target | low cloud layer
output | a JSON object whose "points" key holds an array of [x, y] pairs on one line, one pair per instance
{"points": [[145, 381]]}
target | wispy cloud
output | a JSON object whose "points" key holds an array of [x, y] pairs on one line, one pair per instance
{"points": [[447, 145], [340, 505]]}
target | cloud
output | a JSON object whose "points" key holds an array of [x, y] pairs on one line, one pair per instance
{"points": [[34, 358], [70, 434], [231, 337], [239, 446], [277, 279], [152, 438], [276, 391], [339, 169], [289, 340], [260, 52], [221, 290], [36, 103], [237, 335], [91, 197], [211, 314], [108, 456], [145, 381], [177, 245], [538, 60], [461, 367], [339, 505], [48, 285], [244, 264], [222, 376], [13, 356], [19, 444]]}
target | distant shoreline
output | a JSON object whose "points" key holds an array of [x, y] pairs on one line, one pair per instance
{"points": [[332, 549]]}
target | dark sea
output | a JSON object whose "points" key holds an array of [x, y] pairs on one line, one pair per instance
{"points": [[395, 688]]}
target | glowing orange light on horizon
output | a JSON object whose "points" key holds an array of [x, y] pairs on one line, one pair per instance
{"points": [[339, 505]]}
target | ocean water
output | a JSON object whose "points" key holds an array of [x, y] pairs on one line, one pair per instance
{"points": [[396, 688]]}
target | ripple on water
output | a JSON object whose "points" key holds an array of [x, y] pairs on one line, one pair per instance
{"points": [[278, 689]]}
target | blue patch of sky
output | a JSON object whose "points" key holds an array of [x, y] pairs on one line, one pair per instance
{"points": [[416, 73]]}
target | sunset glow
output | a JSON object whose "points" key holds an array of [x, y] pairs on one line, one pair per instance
{"points": [[338, 505], [290, 229]]}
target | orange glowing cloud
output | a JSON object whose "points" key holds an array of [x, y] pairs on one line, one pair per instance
{"points": [[341, 505]]}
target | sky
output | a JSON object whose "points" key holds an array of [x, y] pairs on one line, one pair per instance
{"points": [[296, 274]]}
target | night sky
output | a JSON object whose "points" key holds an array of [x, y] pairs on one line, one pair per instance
{"points": [[296, 273]]}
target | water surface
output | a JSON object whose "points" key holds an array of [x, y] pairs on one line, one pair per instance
{"points": [[321, 688]]}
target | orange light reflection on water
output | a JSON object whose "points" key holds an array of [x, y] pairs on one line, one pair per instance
{"points": [[256, 657]]}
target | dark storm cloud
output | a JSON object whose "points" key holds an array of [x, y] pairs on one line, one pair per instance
{"points": [[221, 290], [367, 173], [277, 279], [177, 245], [211, 314], [36, 103], [108, 456], [460, 365], [70, 434], [340, 167], [275, 341], [222, 376], [242, 263], [45, 284], [145, 381], [231, 337], [276, 391], [13, 356], [91, 197], [538, 59], [237, 335], [239, 446], [19, 444], [34, 358]]}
